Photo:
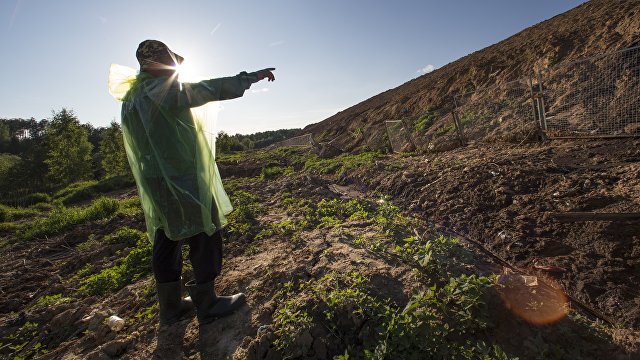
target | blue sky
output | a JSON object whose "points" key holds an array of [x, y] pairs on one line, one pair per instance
{"points": [[329, 54]]}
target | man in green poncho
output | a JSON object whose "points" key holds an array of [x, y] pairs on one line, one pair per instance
{"points": [[180, 189]]}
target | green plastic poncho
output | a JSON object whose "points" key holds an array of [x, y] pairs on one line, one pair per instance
{"points": [[170, 144]]}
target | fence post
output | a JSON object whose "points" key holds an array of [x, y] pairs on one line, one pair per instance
{"points": [[458, 126], [541, 105], [536, 108]]}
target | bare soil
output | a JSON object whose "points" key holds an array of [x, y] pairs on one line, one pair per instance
{"points": [[498, 196]]}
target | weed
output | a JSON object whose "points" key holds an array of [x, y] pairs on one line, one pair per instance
{"points": [[425, 121], [86, 190], [341, 163], [136, 264], [271, 172], [63, 219], [131, 206], [16, 343], [51, 300], [8, 213], [246, 208]]}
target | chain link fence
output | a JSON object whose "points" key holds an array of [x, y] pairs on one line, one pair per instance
{"points": [[593, 97], [504, 111], [300, 141], [399, 134]]}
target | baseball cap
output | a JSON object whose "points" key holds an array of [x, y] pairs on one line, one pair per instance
{"points": [[153, 52]]}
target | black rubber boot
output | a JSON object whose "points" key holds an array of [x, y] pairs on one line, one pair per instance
{"points": [[209, 306], [173, 307]]}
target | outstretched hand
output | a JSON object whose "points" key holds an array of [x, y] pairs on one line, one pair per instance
{"points": [[266, 74]]}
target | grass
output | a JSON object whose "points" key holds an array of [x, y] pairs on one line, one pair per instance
{"points": [[86, 190], [342, 163], [63, 219], [425, 121], [8, 213], [135, 265], [445, 322], [51, 300]]}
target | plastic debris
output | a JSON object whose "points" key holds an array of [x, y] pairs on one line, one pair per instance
{"points": [[115, 323]]}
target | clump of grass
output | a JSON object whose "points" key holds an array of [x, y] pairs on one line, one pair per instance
{"points": [[272, 172], [127, 236], [342, 163], [8, 213], [85, 190], [50, 300], [65, 218], [425, 121], [131, 206], [135, 265]]}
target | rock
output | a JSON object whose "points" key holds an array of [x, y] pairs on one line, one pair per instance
{"points": [[116, 347]]}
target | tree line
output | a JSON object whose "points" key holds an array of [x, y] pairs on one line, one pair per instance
{"points": [[45, 155]]}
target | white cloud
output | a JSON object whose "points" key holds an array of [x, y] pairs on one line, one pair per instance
{"points": [[276, 43], [215, 28], [261, 90], [427, 69]]}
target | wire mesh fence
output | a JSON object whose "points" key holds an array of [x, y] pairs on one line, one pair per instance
{"points": [[504, 111], [300, 141], [399, 135], [598, 96]]}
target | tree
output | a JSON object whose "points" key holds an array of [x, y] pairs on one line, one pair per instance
{"points": [[68, 149], [114, 157]]}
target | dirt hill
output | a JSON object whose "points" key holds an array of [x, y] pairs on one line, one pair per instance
{"points": [[596, 27]]}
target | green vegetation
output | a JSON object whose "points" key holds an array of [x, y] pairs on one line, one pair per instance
{"points": [[226, 143], [17, 342], [246, 209], [68, 149], [273, 171], [135, 265], [114, 157], [62, 219], [50, 300], [445, 322], [8, 213], [425, 121], [85, 190], [342, 163]]}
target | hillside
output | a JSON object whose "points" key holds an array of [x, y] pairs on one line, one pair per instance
{"points": [[593, 28], [462, 253]]}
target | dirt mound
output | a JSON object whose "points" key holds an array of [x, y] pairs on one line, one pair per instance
{"points": [[596, 27]]}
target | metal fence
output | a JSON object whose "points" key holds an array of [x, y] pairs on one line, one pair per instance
{"points": [[503, 111], [593, 97], [301, 141], [399, 134]]}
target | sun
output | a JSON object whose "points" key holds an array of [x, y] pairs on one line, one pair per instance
{"points": [[186, 72]]}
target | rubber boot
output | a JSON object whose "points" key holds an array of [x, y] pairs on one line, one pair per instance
{"points": [[209, 306], [173, 307]]}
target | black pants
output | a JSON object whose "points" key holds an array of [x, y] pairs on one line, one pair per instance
{"points": [[205, 254]]}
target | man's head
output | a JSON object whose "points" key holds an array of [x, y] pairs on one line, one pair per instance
{"points": [[157, 59]]}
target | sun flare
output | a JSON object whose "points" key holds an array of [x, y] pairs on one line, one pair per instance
{"points": [[186, 73]]}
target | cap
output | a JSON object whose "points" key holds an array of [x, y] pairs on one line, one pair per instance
{"points": [[154, 52]]}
